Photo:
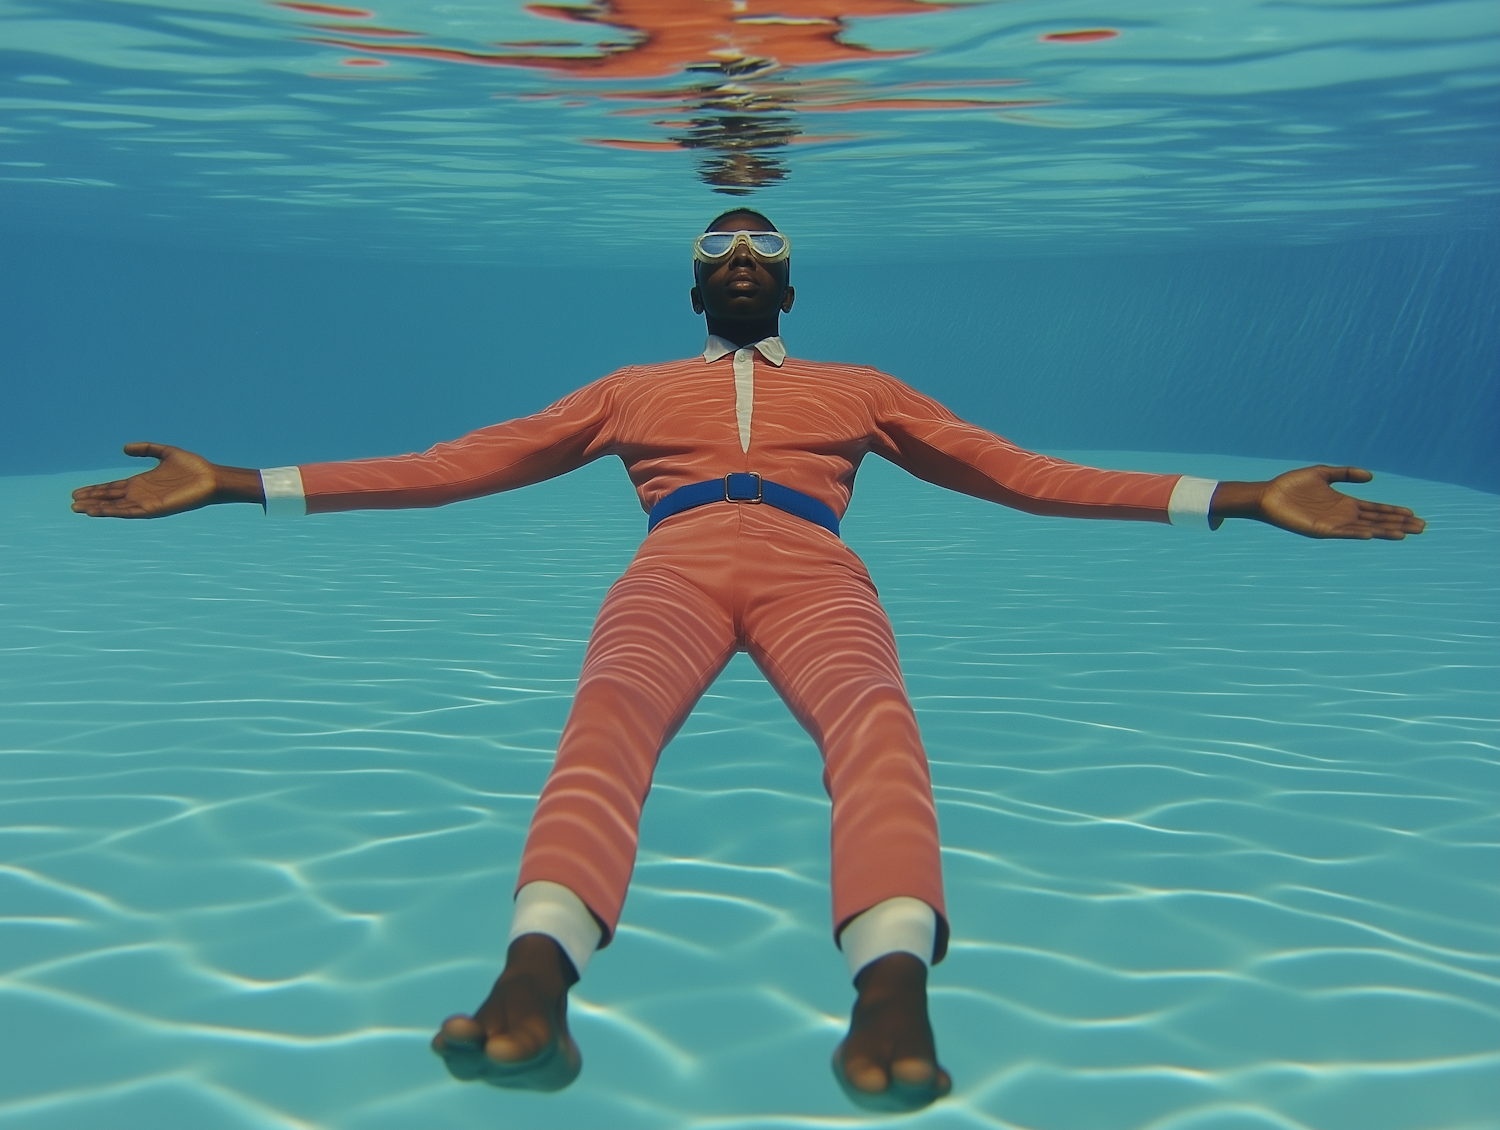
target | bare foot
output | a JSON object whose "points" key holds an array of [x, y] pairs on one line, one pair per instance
{"points": [[519, 1036], [888, 1061]]}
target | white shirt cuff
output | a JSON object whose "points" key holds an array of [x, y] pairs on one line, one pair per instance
{"points": [[543, 907], [1189, 503], [284, 494], [897, 925]]}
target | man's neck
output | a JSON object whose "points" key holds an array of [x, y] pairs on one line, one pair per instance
{"points": [[745, 333]]}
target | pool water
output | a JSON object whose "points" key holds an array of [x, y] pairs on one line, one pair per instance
{"points": [[1218, 814], [1218, 809], [491, 130]]}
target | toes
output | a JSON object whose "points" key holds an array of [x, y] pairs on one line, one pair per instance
{"points": [[460, 1042], [508, 1049], [465, 1066], [915, 1084], [910, 1085], [865, 1075], [457, 1032], [941, 1086], [914, 1072], [918, 1082], [554, 1068], [463, 1041]]}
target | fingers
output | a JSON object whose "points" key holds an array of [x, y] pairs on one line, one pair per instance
{"points": [[1373, 508], [106, 500], [1390, 522], [1304, 502], [1343, 474], [108, 509], [1384, 512], [98, 500], [1386, 527], [146, 450], [115, 489]]}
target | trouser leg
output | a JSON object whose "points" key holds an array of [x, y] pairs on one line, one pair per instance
{"points": [[823, 640], [658, 643]]}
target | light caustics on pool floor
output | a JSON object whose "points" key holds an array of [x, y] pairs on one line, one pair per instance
{"points": [[1218, 811]]}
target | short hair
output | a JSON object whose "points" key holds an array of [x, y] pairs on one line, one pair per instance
{"points": [[741, 212]]}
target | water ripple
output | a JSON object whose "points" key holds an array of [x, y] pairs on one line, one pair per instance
{"points": [[1220, 852]]}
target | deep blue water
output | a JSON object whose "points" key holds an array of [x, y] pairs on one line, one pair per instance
{"points": [[1218, 809], [1381, 351]]}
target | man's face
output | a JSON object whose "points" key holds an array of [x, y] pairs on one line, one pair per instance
{"points": [[741, 287]]}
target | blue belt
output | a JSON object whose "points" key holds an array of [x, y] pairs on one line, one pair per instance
{"points": [[744, 486]]}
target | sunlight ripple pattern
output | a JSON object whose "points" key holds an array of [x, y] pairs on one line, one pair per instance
{"points": [[1219, 813]]}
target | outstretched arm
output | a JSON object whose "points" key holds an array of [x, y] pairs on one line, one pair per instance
{"points": [[1304, 502], [928, 440], [500, 457], [181, 481]]}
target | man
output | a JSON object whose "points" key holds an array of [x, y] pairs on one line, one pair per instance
{"points": [[745, 459]]}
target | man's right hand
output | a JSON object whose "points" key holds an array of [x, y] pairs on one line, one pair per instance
{"points": [[181, 481]]}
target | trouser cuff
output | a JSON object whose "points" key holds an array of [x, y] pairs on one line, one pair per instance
{"points": [[897, 925], [543, 907]]}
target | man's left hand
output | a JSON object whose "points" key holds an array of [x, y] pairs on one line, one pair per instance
{"points": [[1304, 502]]}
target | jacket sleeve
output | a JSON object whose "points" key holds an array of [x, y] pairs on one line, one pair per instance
{"points": [[574, 431], [921, 436]]}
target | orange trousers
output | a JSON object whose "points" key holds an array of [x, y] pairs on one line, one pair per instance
{"points": [[705, 584]]}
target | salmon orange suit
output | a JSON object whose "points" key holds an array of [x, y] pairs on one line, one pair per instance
{"points": [[721, 579]]}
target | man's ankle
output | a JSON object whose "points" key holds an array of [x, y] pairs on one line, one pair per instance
{"points": [[545, 907], [891, 973], [541, 957]]}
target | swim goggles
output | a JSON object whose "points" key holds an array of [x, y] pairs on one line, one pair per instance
{"points": [[768, 246]]}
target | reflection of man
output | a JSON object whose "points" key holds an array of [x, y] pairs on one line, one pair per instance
{"points": [[745, 458]]}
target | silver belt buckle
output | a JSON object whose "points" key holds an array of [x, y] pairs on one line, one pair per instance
{"points": [[760, 488]]}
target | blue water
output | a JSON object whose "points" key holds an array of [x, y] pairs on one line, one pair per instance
{"points": [[1218, 809], [263, 125], [1218, 812]]}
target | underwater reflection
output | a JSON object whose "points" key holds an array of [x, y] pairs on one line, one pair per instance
{"points": [[746, 101], [739, 129]]}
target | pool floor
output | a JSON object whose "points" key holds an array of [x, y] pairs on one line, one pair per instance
{"points": [[1219, 815]]}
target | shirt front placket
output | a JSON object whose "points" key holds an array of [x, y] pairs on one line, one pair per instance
{"points": [[744, 392]]}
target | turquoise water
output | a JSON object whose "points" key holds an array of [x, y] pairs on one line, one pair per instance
{"points": [[464, 130], [1218, 812]]}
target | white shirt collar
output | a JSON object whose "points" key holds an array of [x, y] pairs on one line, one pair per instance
{"points": [[771, 348]]}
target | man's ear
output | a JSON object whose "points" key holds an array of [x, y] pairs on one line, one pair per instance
{"points": [[697, 299], [788, 296]]}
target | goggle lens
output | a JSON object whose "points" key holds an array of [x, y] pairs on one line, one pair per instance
{"points": [[766, 244]]}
